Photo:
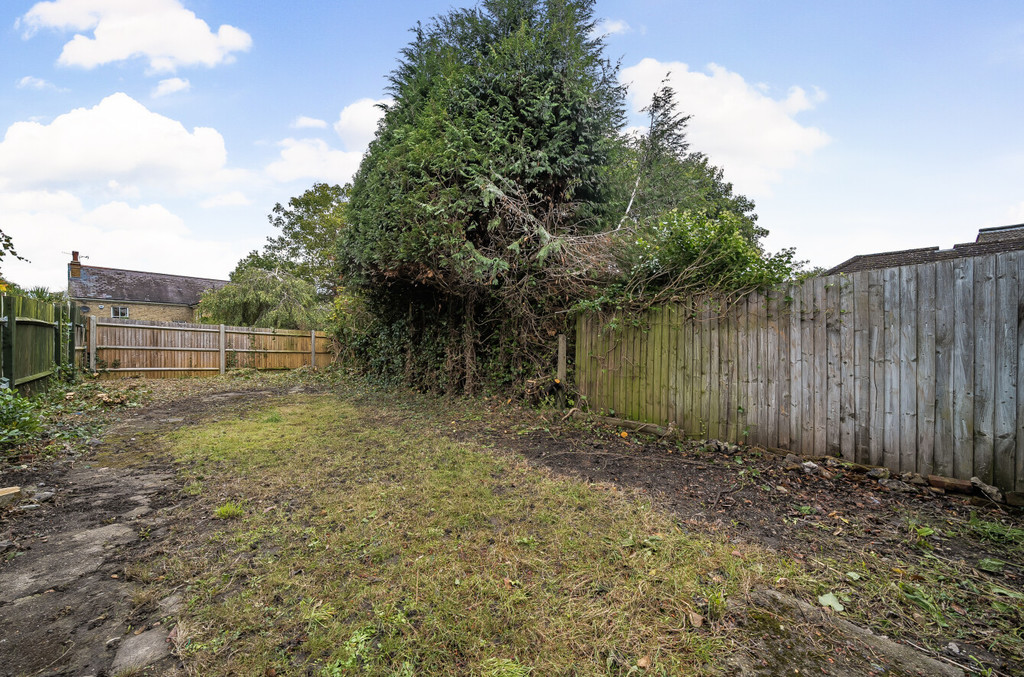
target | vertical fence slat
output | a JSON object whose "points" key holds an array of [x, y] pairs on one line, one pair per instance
{"points": [[963, 369], [908, 368], [832, 320], [891, 441], [847, 382], [771, 330], [796, 386], [984, 365], [925, 369], [946, 300], [808, 395], [1004, 446]]}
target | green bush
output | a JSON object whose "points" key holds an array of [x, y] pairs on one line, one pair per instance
{"points": [[19, 419]]}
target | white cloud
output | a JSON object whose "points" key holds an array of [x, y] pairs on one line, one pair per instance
{"points": [[610, 27], [1016, 214], [303, 122], [31, 82], [314, 159], [115, 234], [118, 139], [738, 125], [357, 123], [163, 32], [235, 198], [32, 201], [171, 86]]}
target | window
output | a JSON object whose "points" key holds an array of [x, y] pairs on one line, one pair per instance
{"points": [[119, 311]]}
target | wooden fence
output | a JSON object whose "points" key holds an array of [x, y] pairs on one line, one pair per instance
{"points": [[36, 337], [917, 368], [126, 347]]}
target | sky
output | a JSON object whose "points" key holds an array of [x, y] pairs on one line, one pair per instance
{"points": [[159, 134]]}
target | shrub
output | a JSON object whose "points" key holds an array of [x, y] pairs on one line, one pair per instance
{"points": [[19, 419]]}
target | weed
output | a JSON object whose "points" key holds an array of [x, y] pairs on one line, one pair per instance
{"points": [[229, 510], [996, 532], [503, 667]]}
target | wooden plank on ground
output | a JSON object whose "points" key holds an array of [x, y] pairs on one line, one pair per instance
{"points": [[1005, 423], [908, 369], [984, 365]]}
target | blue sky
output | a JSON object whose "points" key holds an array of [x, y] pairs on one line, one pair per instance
{"points": [[158, 134]]}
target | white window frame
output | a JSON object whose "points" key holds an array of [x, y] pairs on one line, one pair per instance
{"points": [[114, 311]]}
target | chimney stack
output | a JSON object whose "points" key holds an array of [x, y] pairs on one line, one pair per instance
{"points": [[75, 267]]}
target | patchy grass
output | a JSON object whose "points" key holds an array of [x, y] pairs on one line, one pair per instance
{"points": [[381, 548]]}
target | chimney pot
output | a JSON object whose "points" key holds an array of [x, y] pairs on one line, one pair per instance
{"points": [[74, 256]]}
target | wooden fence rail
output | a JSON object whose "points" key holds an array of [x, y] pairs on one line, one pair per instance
{"points": [[126, 347], [36, 337], [917, 368]]}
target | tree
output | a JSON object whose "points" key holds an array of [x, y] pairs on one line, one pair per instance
{"points": [[309, 225], [658, 173], [504, 119], [7, 247], [256, 297]]}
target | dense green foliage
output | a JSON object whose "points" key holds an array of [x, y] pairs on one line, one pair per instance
{"points": [[692, 251], [19, 418], [500, 193], [256, 297]]}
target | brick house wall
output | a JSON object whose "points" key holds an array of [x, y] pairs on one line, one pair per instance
{"points": [[160, 312]]}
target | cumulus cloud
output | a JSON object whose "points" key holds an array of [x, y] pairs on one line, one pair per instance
{"points": [[162, 32], [44, 225], [303, 122], [357, 123], [171, 86], [235, 198], [610, 27], [118, 139], [31, 82], [740, 126], [314, 159]]}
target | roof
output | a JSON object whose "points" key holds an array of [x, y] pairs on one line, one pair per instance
{"points": [[138, 286], [989, 241]]}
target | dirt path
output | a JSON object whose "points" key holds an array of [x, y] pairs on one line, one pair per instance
{"points": [[68, 605]]}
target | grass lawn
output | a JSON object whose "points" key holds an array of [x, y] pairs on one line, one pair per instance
{"points": [[331, 539]]}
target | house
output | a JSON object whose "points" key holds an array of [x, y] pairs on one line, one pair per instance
{"points": [[114, 292], [989, 241]]}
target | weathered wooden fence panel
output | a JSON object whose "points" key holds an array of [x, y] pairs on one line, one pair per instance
{"points": [[35, 339], [916, 368], [126, 347]]}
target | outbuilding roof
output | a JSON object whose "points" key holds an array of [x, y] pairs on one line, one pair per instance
{"points": [[116, 284], [989, 241]]}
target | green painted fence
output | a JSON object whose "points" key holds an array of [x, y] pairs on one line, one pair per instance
{"points": [[36, 337], [917, 368]]}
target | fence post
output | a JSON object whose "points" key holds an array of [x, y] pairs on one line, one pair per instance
{"points": [[312, 348], [58, 353], [7, 342], [92, 343], [561, 371], [223, 357]]}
